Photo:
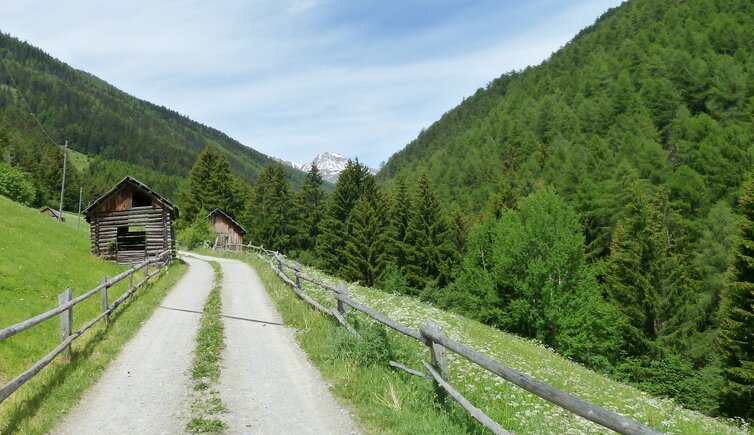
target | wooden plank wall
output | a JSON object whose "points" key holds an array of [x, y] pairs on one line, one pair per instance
{"points": [[160, 234]]}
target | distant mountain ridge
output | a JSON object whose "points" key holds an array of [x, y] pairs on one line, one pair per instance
{"points": [[330, 165], [151, 142]]}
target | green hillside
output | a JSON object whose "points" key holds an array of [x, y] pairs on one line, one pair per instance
{"points": [[663, 89], [39, 258], [617, 165], [118, 132]]}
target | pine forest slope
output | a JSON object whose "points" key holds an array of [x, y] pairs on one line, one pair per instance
{"points": [[664, 88], [121, 132]]}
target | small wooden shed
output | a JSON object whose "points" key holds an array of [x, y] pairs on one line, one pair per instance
{"points": [[131, 222], [228, 232], [49, 211]]}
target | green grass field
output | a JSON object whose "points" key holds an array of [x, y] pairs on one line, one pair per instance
{"points": [[39, 258], [391, 402]]}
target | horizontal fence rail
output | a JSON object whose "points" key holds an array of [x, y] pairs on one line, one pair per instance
{"points": [[65, 311], [432, 336]]}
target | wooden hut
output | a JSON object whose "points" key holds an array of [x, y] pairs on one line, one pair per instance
{"points": [[228, 232], [131, 222], [49, 211]]}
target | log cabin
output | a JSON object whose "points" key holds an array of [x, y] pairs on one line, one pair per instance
{"points": [[228, 232], [51, 212], [131, 222]]}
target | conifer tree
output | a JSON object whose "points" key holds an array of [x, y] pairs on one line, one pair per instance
{"points": [[736, 336], [646, 276], [427, 240], [212, 185], [269, 209], [365, 248], [353, 182], [309, 210], [400, 206]]}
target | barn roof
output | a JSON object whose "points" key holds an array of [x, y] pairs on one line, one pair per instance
{"points": [[55, 213], [230, 219], [139, 185]]}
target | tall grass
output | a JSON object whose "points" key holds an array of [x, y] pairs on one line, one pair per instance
{"points": [[39, 258], [395, 402]]}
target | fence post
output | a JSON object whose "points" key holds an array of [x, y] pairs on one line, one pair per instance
{"points": [[131, 280], [297, 272], [439, 358], [103, 293], [66, 318], [343, 290]]}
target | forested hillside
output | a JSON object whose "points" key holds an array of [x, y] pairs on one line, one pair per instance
{"points": [[600, 191], [664, 88], [120, 134]]}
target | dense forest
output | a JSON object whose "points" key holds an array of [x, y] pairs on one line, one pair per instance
{"points": [[119, 133], [601, 202]]}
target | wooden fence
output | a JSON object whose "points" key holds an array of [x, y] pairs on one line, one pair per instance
{"points": [[65, 311], [431, 335]]}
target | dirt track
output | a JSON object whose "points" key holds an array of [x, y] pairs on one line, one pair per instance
{"points": [[267, 382], [146, 389]]}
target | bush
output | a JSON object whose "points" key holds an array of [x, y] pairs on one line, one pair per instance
{"points": [[15, 185], [198, 234]]}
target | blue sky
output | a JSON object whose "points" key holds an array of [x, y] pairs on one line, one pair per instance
{"points": [[299, 77]]}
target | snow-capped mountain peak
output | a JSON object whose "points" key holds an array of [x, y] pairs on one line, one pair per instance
{"points": [[330, 165]]}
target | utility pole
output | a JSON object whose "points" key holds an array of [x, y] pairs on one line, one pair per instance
{"points": [[81, 193], [62, 187]]}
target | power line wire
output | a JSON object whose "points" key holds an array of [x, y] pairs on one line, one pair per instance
{"points": [[28, 106]]}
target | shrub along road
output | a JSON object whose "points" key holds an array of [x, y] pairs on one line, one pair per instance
{"points": [[267, 382]]}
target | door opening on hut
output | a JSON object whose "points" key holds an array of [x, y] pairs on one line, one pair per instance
{"points": [[132, 239]]}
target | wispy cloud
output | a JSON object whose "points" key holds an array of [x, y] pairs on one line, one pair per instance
{"points": [[296, 78]]}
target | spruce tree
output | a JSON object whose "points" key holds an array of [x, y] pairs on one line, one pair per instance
{"points": [[400, 206], [736, 336], [646, 269], [427, 240], [269, 209], [309, 210], [212, 185], [352, 183], [365, 248]]}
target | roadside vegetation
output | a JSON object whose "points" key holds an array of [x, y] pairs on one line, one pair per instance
{"points": [[205, 371], [395, 402], [39, 258]]}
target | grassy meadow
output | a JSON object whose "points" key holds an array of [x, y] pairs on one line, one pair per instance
{"points": [[39, 258], [395, 402]]}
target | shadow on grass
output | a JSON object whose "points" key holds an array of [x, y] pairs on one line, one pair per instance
{"points": [[61, 368]]}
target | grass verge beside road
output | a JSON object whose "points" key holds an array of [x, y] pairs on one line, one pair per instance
{"points": [[205, 372], [39, 258], [37, 406]]}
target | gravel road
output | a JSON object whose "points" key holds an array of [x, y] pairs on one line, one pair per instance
{"points": [[146, 389], [267, 382]]}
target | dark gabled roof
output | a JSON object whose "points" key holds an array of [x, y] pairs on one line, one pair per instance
{"points": [[233, 221], [54, 212], [133, 181]]}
